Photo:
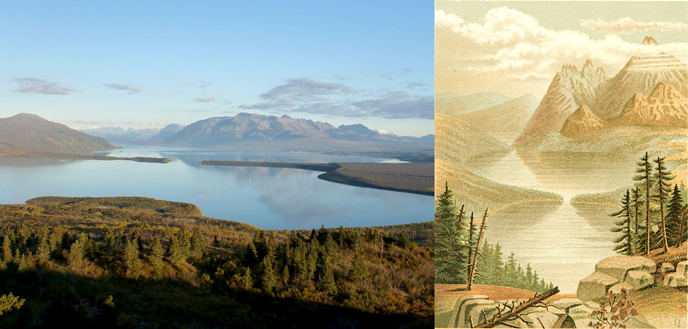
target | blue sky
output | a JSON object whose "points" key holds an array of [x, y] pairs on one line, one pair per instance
{"points": [[144, 64]]}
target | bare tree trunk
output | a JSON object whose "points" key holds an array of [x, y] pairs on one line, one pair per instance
{"points": [[475, 253], [470, 245], [520, 308]]}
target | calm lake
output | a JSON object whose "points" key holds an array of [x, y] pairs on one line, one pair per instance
{"points": [[561, 242], [269, 198]]}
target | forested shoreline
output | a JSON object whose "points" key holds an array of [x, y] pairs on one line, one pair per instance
{"points": [[146, 263]]}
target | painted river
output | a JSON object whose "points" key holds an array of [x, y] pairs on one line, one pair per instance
{"points": [[562, 242]]}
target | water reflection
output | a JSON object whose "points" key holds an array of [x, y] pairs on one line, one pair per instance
{"points": [[271, 198]]}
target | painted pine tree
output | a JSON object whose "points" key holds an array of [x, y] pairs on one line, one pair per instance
{"points": [[450, 264], [644, 178], [625, 240], [663, 188], [675, 223]]}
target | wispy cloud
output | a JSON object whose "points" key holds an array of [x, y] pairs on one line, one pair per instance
{"points": [[41, 86], [511, 51], [628, 25], [333, 99], [205, 99], [131, 89]]}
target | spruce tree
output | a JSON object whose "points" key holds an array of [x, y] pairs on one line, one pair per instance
{"points": [[43, 250], [663, 189], [450, 259], [6, 249], [325, 275], [268, 276], [198, 244], [625, 240], [156, 258], [674, 221], [76, 256], [131, 259], [358, 272], [644, 177]]}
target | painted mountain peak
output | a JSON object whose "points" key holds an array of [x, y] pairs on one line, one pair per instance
{"points": [[582, 122], [570, 88], [644, 74], [665, 107], [650, 41]]}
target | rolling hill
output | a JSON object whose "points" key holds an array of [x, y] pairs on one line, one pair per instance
{"points": [[28, 133]]}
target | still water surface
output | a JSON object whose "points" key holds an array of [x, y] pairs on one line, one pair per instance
{"points": [[269, 198], [562, 242]]}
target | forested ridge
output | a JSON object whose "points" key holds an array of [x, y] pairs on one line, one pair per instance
{"points": [[146, 263]]}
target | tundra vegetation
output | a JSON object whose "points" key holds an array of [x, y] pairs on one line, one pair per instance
{"points": [[130, 262]]}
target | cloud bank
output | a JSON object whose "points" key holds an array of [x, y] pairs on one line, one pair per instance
{"points": [[205, 99], [509, 51], [305, 95], [628, 25]]}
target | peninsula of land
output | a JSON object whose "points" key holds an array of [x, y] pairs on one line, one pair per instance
{"points": [[415, 178]]}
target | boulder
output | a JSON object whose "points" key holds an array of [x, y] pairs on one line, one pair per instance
{"points": [[674, 280], [595, 286], [619, 266], [682, 268], [565, 321], [481, 313], [620, 286], [541, 320], [566, 303], [464, 320], [580, 312], [458, 306], [639, 279], [666, 267]]}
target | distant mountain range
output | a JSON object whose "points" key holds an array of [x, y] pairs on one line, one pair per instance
{"points": [[454, 104], [28, 133], [650, 90], [457, 141], [120, 135], [283, 132]]}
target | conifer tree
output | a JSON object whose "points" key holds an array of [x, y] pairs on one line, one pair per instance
{"points": [[156, 258], [625, 240], [471, 241], [248, 279], [674, 221], [175, 252], [6, 249], [198, 244], [251, 255], [325, 275], [358, 271], [43, 250], [663, 189], [131, 259], [450, 259], [645, 178], [76, 256], [635, 203], [268, 276]]}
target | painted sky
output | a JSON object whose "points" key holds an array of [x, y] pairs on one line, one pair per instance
{"points": [[144, 64], [517, 47]]}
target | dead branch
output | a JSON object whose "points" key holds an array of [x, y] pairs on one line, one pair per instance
{"points": [[521, 307]]}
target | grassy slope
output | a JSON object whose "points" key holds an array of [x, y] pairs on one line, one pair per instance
{"points": [[477, 192], [456, 141], [404, 177]]}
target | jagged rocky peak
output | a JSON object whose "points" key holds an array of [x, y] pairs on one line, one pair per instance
{"points": [[665, 107], [665, 93], [650, 41], [582, 122]]}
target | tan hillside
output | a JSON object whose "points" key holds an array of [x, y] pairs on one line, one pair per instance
{"points": [[456, 141], [582, 122]]}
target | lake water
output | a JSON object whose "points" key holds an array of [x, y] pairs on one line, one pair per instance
{"points": [[562, 242], [269, 198]]}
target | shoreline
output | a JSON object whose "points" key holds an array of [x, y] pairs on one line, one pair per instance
{"points": [[69, 156], [415, 178]]}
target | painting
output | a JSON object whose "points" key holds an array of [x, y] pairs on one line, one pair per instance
{"points": [[560, 164]]}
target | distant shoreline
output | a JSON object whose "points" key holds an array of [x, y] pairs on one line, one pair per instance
{"points": [[69, 156], [416, 178]]}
